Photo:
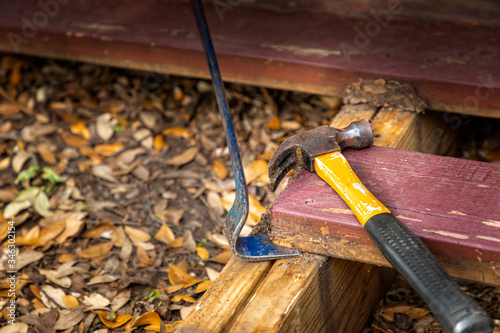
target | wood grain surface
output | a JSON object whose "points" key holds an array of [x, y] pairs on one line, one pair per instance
{"points": [[446, 50], [451, 204]]}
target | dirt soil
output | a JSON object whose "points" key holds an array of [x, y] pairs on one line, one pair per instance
{"points": [[115, 184]]}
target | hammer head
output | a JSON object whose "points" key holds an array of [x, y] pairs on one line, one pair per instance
{"points": [[301, 149]]}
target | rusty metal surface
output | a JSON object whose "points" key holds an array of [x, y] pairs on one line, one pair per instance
{"points": [[448, 51]]}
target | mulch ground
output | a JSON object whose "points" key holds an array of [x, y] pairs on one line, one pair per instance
{"points": [[115, 184]]}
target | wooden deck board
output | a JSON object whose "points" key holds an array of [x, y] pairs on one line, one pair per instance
{"points": [[449, 51], [330, 288], [451, 204]]}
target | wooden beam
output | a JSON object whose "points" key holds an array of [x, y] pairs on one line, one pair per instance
{"points": [[324, 291], [303, 295], [450, 203], [234, 287], [444, 49]]}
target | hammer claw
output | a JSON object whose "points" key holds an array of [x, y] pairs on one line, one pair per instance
{"points": [[278, 171], [303, 148]]}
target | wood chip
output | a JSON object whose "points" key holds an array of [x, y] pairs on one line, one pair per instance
{"points": [[183, 158]]}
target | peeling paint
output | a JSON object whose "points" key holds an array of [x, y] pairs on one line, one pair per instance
{"points": [[99, 26], [456, 212], [482, 185], [447, 233], [408, 218], [339, 210], [493, 239], [302, 50], [492, 223]]}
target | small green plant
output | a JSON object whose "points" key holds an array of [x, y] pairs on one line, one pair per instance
{"points": [[48, 174], [154, 294], [27, 174], [52, 177]]}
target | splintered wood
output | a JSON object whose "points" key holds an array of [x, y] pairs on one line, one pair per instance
{"points": [[450, 203]]}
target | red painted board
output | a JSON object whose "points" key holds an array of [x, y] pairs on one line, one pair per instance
{"points": [[450, 50], [452, 204]]}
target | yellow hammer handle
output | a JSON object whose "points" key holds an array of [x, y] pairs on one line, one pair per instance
{"points": [[336, 171]]}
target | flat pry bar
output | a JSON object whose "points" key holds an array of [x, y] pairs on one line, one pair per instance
{"points": [[253, 248]]}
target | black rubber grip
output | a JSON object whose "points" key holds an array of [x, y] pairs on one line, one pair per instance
{"points": [[456, 311]]}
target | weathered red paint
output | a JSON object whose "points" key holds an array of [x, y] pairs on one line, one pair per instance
{"points": [[451, 204], [449, 51]]}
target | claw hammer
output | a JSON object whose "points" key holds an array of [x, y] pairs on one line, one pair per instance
{"points": [[318, 150]]}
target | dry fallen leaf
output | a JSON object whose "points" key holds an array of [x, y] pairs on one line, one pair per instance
{"points": [[152, 319], [19, 160], [177, 275], [291, 125], [42, 205], [159, 143], [118, 237], [149, 119], [215, 203], [70, 301], [144, 136], [144, 259], [51, 294], [177, 243], [183, 158], [66, 257], [255, 170], [410, 311], [212, 273], [27, 257], [137, 235], [223, 257], [203, 286], [74, 225], [73, 141], [96, 250], [50, 232], [203, 253], [116, 321], [220, 169], [174, 288], [120, 300], [69, 318], [178, 298], [15, 207], [80, 129], [51, 276], [104, 171], [4, 164], [99, 229], [30, 238], [95, 301], [17, 328], [220, 240], [274, 123], [255, 208], [109, 149], [8, 109], [104, 126], [46, 154], [178, 132], [165, 234]]}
